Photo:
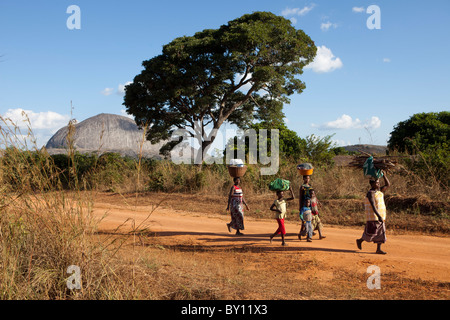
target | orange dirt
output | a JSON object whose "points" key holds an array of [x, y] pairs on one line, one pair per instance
{"points": [[413, 257]]}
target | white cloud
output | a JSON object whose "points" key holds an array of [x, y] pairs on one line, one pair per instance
{"points": [[289, 12], [305, 10], [107, 91], [387, 60], [328, 25], [358, 9], [297, 11], [40, 125], [325, 61], [373, 123], [346, 122], [121, 88], [48, 120], [341, 143], [124, 113], [293, 20]]}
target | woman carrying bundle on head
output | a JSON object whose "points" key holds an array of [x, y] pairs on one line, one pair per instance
{"points": [[375, 229], [308, 193], [235, 205]]}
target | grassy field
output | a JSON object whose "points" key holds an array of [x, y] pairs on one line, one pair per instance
{"points": [[46, 225]]}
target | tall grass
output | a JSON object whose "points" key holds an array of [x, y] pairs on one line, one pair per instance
{"points": [[330, 182], [413, 204], [47, 222], [44, 229]]}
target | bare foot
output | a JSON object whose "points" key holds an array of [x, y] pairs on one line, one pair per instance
{"points": [[358, 243]]}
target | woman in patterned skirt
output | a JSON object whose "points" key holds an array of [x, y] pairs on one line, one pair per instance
{"points": [[235, 205], [375, 207]]}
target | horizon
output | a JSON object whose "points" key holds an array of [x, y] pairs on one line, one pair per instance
{"points": [[361, 84]]}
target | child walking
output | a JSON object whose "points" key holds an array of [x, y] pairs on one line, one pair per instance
{"points": [[315, 222], [306, 217], [279, 206]]}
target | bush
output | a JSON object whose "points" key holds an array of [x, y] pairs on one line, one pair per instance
{"points": [[421, 131], [423, 138]]}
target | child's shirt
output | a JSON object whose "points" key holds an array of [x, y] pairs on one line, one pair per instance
{"points": [[280, 205], [306, 214]]}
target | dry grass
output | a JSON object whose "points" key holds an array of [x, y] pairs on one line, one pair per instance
{"points": [[44, 230]]}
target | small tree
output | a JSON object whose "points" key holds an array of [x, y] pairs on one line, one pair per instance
{"points": [[426, 136], [319, 149], [421, 131], [243, 71], [290, 144]]}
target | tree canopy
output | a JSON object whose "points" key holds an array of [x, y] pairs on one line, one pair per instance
{"points": [[241, 72], [426, 136], [319, 150], [421, 131]]}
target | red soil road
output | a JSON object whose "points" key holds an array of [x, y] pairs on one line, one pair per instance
{"points": [[412, 256]]}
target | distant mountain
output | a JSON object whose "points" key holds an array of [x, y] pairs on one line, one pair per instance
{"points": [[369, 148], [105, 133], [344, 160]]}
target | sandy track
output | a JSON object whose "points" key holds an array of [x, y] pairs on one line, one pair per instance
{"points": [[412, 256]]}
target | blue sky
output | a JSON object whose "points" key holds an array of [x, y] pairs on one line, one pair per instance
{"points": [[363, 82]]}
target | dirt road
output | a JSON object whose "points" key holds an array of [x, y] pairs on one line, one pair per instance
{"points": [[411, 256]]}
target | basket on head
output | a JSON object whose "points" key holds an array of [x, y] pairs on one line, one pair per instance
{"points": [[305, 169], [236, 171]]}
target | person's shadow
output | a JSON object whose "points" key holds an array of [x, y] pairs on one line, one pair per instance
{"points": [[246, 242]]}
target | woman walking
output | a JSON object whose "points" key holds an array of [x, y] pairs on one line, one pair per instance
{"points": [[375, 230], [235, 205], [307, 193]]}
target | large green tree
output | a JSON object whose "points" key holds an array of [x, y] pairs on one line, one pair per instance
{"points": [[426, 136], [421, 131], [318, 150], [290, 144], [241, 72]]}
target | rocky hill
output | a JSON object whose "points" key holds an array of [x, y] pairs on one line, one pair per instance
{"points": [[369, 148], [105, 133]]}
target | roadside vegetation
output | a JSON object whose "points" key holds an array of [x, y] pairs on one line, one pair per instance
{"points": [[46, 221]]}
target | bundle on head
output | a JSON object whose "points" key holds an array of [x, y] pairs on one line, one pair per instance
{"points": [[385, 163]]}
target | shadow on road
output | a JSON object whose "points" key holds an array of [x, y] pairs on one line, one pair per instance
{"points": [[219, 242]]}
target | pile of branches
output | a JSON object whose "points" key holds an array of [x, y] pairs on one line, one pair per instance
{"points": [[385, 163]]}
